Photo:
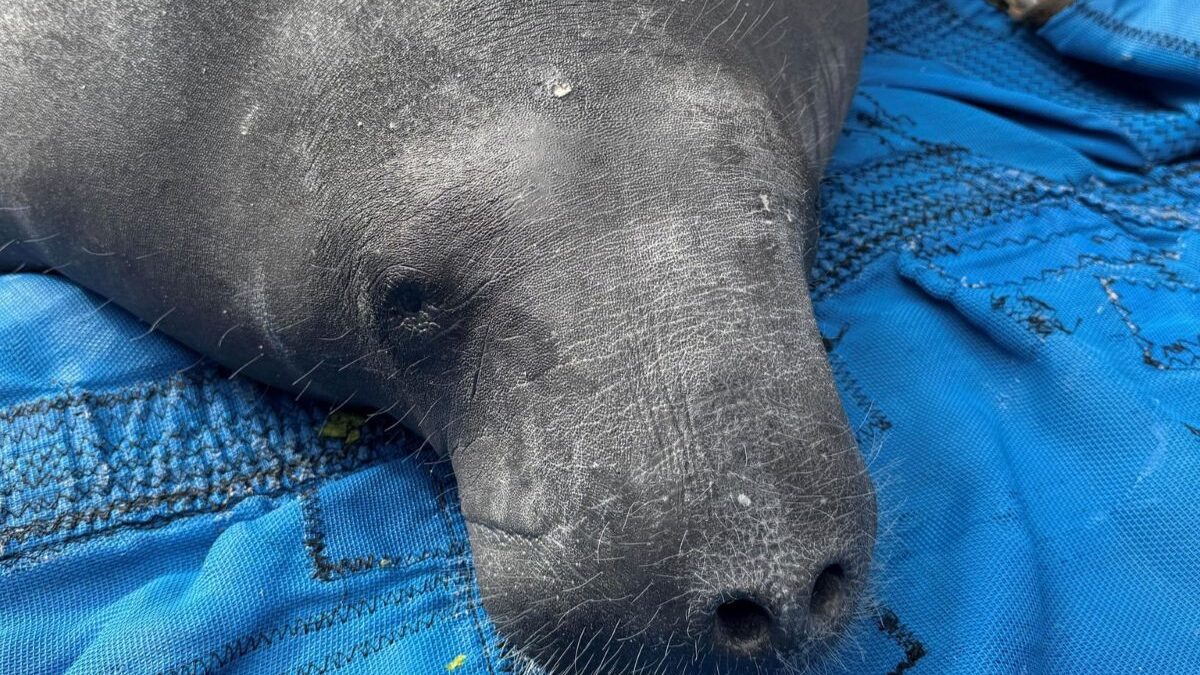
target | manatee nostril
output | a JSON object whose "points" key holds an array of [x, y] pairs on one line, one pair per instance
{"points": [[826, 602], [744, 625]]}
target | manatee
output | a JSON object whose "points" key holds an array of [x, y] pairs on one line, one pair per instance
{"points": [[565, 243]]}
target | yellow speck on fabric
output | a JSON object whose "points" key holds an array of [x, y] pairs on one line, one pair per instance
{"points": [[456, 663], [344, 426]]}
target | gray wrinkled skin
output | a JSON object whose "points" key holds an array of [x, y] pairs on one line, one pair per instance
{"points": [[565, 242]]}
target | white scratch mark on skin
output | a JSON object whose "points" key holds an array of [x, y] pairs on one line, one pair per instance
{"points": [[248, 120]]}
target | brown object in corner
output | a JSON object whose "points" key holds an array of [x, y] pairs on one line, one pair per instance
{"points": [[1035, 12]]}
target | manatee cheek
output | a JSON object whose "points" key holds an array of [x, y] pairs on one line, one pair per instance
{"points": [[506, 486]]}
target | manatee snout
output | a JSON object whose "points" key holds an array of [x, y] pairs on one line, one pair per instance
{"points": [[706, 511], [653, 461], [663, 582]]}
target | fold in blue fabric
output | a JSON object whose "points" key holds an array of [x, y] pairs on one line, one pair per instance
{"points": [[1009, 289]]}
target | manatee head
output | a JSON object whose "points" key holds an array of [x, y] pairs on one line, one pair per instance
{"points": [[581, 273], [595, 291], [567, 244]]}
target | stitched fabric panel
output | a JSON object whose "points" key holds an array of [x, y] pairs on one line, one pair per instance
{"points": [[965, 50], [189, 523], [1158, 39], [1008, 285]]}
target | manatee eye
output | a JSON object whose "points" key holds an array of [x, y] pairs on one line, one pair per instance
{"points": [[405, 297], [407, 305]]}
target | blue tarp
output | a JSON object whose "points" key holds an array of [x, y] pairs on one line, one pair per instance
{"points": [[1010, 292]]}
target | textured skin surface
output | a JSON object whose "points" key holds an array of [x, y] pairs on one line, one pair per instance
{"points": [[564, 242]]}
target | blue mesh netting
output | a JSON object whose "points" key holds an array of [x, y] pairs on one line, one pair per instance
{"points": [[157, 517], [1010, 294]]}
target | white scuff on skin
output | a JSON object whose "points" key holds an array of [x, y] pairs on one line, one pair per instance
{"points": [[248, 120], [561, 89]]}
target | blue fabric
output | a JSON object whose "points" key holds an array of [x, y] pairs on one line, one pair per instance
{"points": [[1011, 297], [158, 517]]}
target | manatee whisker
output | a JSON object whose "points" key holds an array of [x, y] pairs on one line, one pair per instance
{"points": [[41, 239], [360, 358], [153, 326], [337, 408], [337, 338], [221, 340]]}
